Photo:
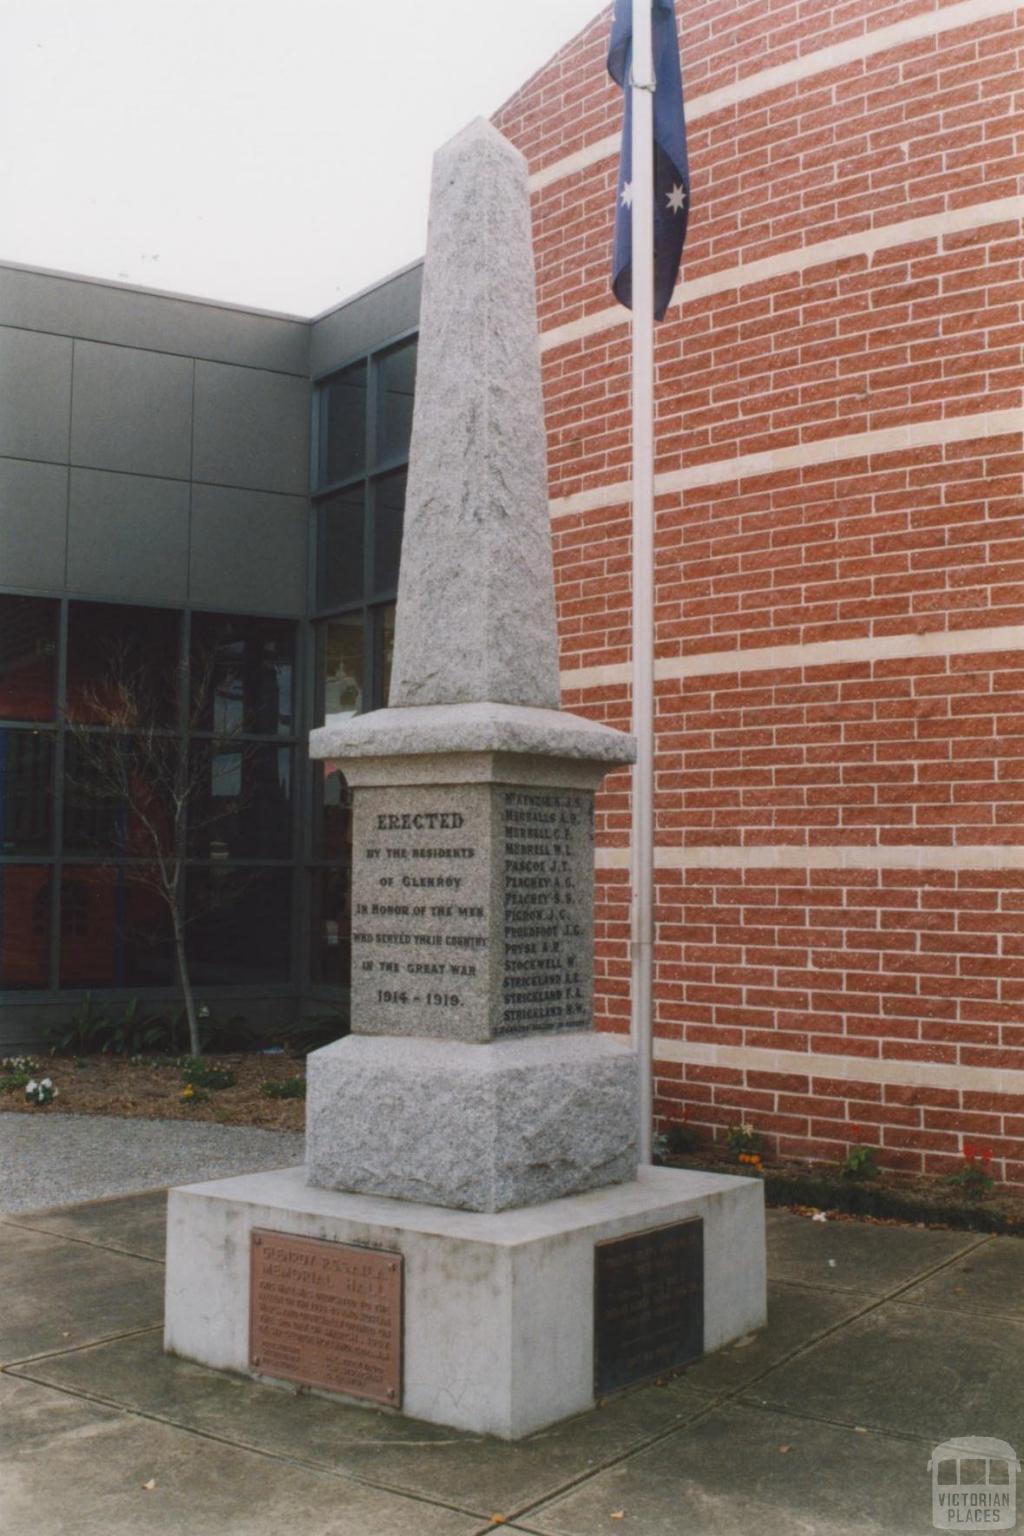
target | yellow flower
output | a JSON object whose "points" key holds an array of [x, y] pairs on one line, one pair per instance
{"points": [[188, 1090]]}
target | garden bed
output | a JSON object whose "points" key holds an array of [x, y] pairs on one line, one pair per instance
{"points": [[890, 1196], [153, 1088]]}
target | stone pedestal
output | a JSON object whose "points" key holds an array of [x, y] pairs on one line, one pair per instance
{"points": [[498, 1334]]}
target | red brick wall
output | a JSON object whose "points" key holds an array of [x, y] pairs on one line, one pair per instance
{"points": [[840, 695]]}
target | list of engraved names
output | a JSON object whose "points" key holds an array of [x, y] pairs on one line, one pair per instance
{"points": [[546, 843]]}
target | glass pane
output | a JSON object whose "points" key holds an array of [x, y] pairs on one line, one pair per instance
{"points": [[116, 793], [26, 791], [24, 926], [340, 542], [331, 953], [332, 813], [396, 379], [115, 930], [343, 666], [343, 440], [384, 619], [388, 504], [242, 675], [28, 658], [122, 664], [242, 804], [239, 926]]}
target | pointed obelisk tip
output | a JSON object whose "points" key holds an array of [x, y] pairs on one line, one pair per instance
{"points": [[476, 603]]}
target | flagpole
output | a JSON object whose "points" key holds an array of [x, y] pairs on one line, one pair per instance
{"points": [[642, 860]]}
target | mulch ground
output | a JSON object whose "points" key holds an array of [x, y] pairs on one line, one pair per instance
{"points": [[109, 1085]]}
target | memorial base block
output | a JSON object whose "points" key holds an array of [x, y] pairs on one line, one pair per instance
{"points": [[498, 1326], [477, 1127]]}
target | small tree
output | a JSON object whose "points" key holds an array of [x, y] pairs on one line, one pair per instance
{"points": [[149, 779]]}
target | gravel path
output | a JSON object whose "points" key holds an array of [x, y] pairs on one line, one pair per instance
{"points": [[63, 1159]]}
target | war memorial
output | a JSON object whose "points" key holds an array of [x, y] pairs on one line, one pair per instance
{"points": [[471, 1239]]}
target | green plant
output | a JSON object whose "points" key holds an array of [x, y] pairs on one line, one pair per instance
{"points": [[195, 1073], [313, 1032], [974, 1178], [743, 1141], [284, 1088], [82, 1032], [860, 1163], [681, 1138]]}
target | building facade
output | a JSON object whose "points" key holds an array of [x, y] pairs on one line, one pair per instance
{"points": [[160, 503], [839, 663], [839, 660]]}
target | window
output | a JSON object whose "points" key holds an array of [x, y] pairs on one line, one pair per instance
{"points": [[363, 429], [76, 907]]}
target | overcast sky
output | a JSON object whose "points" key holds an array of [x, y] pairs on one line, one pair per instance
{"points": [[266, 152]]}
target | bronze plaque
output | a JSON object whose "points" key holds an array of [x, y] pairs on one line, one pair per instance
{"points": [[327, 1315], [648, 1304]]}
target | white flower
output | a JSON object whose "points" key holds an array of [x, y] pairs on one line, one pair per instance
{"points": [[30, 1088], [46, 1083]]}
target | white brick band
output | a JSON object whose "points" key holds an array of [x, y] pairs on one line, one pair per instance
{"points": [[910, 1074], [821, 653], [858, 445], [867, 242], [838, 856]]}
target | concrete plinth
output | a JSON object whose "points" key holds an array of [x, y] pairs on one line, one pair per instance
{"points": [[498, 1332]]}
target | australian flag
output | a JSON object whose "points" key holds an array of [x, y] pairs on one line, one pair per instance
{"points": [[671, 167]]}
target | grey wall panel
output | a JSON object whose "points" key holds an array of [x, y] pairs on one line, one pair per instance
{"points": [[134, 318], [366, 321], [33, 519], [251, 429], [131, 411], [248, 550], [35, 394], [128, 537]]}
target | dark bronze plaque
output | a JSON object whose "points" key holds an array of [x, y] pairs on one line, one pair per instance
{"points": [[324, 1314], [648, 1304]]}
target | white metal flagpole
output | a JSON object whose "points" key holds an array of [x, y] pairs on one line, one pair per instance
{"points": [[642, 861]]}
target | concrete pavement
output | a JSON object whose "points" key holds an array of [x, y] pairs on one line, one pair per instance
{"points": [[882, 1342]]}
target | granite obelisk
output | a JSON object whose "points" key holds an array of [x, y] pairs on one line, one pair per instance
{"points": [[470, 1239], [472, 1077]]}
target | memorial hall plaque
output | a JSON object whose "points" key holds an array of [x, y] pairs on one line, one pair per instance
{"points": [[324, 1314], [648, 1304]]}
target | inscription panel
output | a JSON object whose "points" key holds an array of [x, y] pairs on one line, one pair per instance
{"points": [[324, 1314], [545, 848], [648, 1304], [421, 897]]}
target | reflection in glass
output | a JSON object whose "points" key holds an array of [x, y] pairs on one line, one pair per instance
{"points": [[115, 793], [332, 813], [388, 505], [118, 653], [115, 930], [28, 658], [385, 624], [344, 664], [26, 791], [24, 926], [239, 928], [242, 674], [242, 806], [396, 380], [331, 949], [343, 440], [340, 545]]}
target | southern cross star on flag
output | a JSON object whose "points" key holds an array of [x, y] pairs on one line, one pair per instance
{"points": [[671, 167]]}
